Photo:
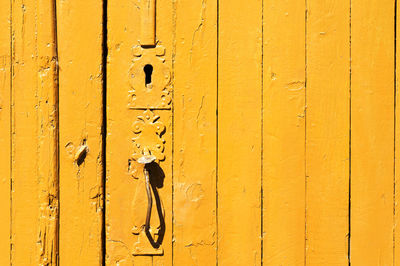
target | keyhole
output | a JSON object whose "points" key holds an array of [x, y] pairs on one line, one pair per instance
{"points": [[148, 70]]}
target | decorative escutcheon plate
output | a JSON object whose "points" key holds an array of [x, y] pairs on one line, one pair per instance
{"points": [[150, 80]]}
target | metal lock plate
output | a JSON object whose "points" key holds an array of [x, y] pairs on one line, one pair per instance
{"points": [[150, 100], [150, 79]]}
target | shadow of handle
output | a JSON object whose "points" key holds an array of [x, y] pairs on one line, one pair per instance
{"points": [[149, 199], [151, 185]]}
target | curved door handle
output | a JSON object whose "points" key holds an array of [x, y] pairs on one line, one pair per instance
{"points": [[147, 159]]}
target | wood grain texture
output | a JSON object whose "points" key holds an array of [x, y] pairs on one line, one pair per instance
{"points": [[279, 141], [328, 127], [195, 94], [125, 190], [239, 132], [25, 212], [284, 132], [372, 132], [24, 131], [34, 135], [123, 25], [5, 126], [79, 34], [47, 97]]}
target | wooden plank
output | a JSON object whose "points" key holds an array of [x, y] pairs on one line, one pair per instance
{"points": [[79, 34], [34, 134], [5, 141], [126, 197], [328, 127], [195, 94], [25, 211], [47, 150], [122, 23], [239, 132], [372, 132], [284, 132], [24, 135], [396, 259]]}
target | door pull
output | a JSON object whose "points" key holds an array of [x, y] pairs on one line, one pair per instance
{"points": [[149, 98], [145, 160]]}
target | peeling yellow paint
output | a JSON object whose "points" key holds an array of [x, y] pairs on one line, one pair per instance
{"points": [[5, 132], [262, 132], [80, 53]]}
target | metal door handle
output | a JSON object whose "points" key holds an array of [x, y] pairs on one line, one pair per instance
{"points": [[147, 159]]}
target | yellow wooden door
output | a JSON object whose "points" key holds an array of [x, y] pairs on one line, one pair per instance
{"points": [[199, 132]]}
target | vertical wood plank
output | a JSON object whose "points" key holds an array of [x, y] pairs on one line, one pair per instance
{"points": [[34, 134], [80, 33], [195, 133], [328, 127], [123, 25], [125, 192], [47, 105], [5, 141], [284, 132], [239, 132], [372, 132]]}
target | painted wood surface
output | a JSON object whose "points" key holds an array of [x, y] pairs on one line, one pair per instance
{"points": [[327, 132], [34, 197], [24, 209], [273, 127], [126, 200], [195, 133], [5, 131], [48, 132], [283, 132], [396, 228], [81, 121], [239, 132], [372, 132]]}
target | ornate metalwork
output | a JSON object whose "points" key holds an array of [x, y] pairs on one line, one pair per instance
{"points": [[150, 93], [150, 89], [148, 138]]}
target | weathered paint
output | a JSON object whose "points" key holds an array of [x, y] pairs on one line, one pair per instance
{"points": [[24, 227], [5, 131], [280, 129], [47, 106], [34, 178], [283, 132], [396, 226], [372, 132], [328, 129], [165, 37], [239, 132], [195, 133], [80, 36], [147, 22], [126, 200]]}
